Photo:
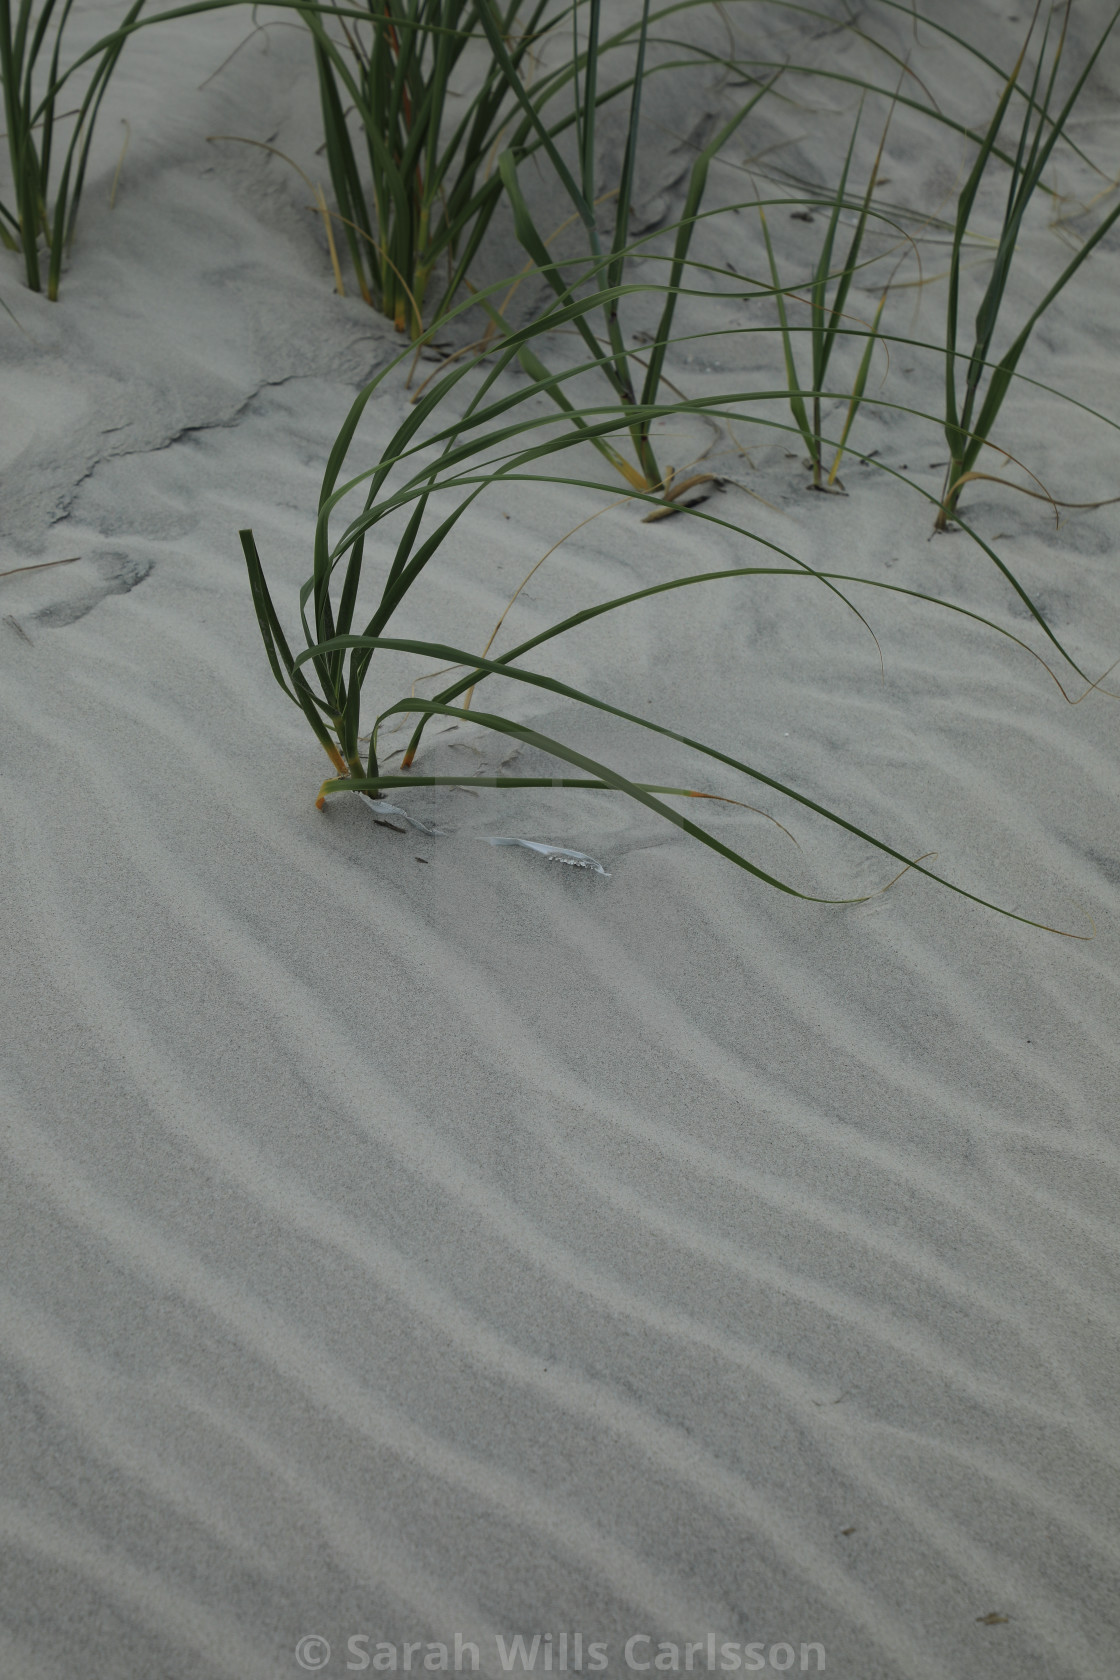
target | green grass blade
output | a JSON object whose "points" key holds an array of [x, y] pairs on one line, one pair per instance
{"points": [[796, 398]]}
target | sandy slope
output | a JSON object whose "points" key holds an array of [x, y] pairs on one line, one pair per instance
{"points": [[405, 1236]]}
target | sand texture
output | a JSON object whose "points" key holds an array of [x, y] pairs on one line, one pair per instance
{"points": [[405, 1236]]}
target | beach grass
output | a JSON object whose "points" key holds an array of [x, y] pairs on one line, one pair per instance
{"points": [[426, 197], [431, 189], [39, 222], [473, 427], [635, 381], [971, 414], [826, 297], [471, 432]]}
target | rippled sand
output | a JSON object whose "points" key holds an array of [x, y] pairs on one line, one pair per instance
{"points": [[406, 1236]]}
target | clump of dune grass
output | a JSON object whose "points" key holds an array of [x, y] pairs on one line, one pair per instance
{"points": [[387, 79], [39, 222], [462, 440], [826, 297], [473, 431], [970, 415], [432, 91], [634, 380]]}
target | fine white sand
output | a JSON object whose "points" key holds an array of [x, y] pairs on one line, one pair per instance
{"points": [[405, 1236]]}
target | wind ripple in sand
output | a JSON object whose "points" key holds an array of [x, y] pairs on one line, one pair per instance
{"points": [[679, 1236], [406, 1249]]}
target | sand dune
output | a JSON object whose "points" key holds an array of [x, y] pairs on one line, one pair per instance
{"points": [[407, 1237]]}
